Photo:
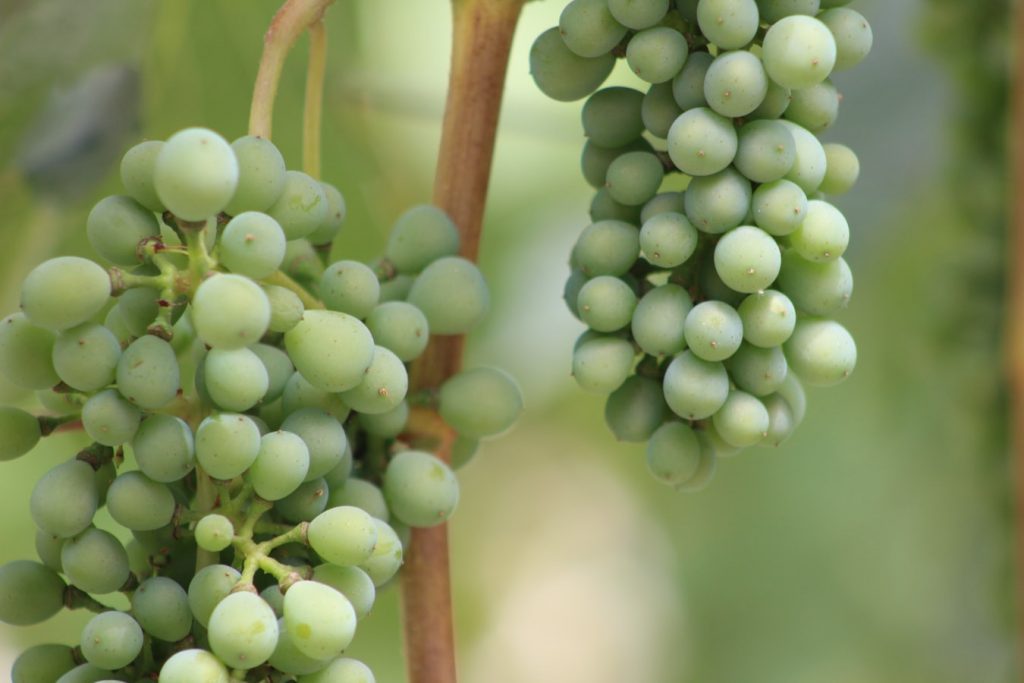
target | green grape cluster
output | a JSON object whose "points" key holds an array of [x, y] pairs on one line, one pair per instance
{"points": [[708, 308], [249, 412]]}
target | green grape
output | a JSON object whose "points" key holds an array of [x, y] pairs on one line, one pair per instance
{"points": [[756, 370], [842, 168], [742, 420], [668, 240], [352, 582], [452, 294], [111, 640], [281, 465], [607, 247], [815, 108], [324, 437], [397, 288], [230, 311], [463, 451], [301, 207], [779, 207], [595, 159], [387, 556], [824, 234], [336, 212], [612, 116], [766, 151], [695, 388], [350, 287], [342, 670], [666, 202], [193, 666], [195, 174], [659, 110], [768, 318], [278, 367], [712, 287], [657, 54], [87, 673], [773, 10], [635, 410], [48, 548], [343, 535], [139, 308], [64, 499], [798, 51], [713, 330], [638, 14], [64, 292], [673, 454], [286, 308], [214, 533], [718, 203], [287, 657], [852, 34], [775, 103], [42, 664], [688, 85], [571, 291], [305, 502], [383, 387], [147, 373], [95, 561], [26, 353], [729, 24], [261, 175], [634, 178], [659, 319], [809, 168], [603, 208], [235, 379], [161, 607], [589, 29], [227, 444], [747, 259], [273, 596], [332, 350], [19, 432], [319, 619], [420, 489], [30, 593], [299, 394], [137, 502], [601, 363], [115, 227], [736, 83], [85, 357], [138, 166], [363, 495], [781, 424], [563, 75], [59, 403], [387, 425], [420, 236], [816, 288], [480, 402], [400, 327], [701, 142], [606, 303], [208, 587], [252, 244], [243, 630], [164, 448], [793, 393], [109, 419], [821, 352]]}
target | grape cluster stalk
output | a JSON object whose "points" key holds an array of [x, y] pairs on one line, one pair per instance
{"points": [[253, 436], [708, 308]]}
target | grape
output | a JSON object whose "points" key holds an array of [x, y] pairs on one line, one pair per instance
{"points": [[208, 587], [281, 465], [164, 448], [766, 151], [712, 287], [19, 432], [816, 288], [147, 373], [773, 10], [657, 54], [30, 593], [64, 499], [299, 394], [243, 630], [659, 110], [606, 303], [595, 159], [701, 142], [305, 503], [634, 410], [42, 664], [227, 444], [387, 556], [688, 84], [638, 14], [301, 207], [397, 288], [607, 247], [336, 212], [463, 450], [342, 670], [138, 166], [363, 495], [589, 29], [602, 363], [384, 384], [95, 561], [400, 327], [193, 666], [421, 490], [214, 533], [111, 640], [718, 203], [563, 75], [747, 259], [793, 393], [195, 174], [420, 236], [161, 607], [798, 51], [276, 364], [64, 292], [323, 436], [137, 502], [603, 207], [350, 287], [780, 420], [272, 596], [668, 239], [230, 311], [673, 454], [387, 425], [571, 291], [480, 402], [261, 175], [332, 350], [809, 168], [26, 353], [319, 619], [821, 352], [115, 227], [775, 103], [756, 370], [659, 319], [286, 308], [85, 357], [824, 234], [694, 388], [110, 420], [768, 318], [235, 379], [779, 207], [139, 308], [713, 330], [452, 294], [815, 108], [343, 535], [252, 244], [729, 24], [842, 168], [352, 582], [742, 421], [287, 657], [736, 83], [87, 673], [612, 116], [852, 34], [48, 548], [634, 177]]}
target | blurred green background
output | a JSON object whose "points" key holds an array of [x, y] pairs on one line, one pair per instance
{"points": [[874, 547]]}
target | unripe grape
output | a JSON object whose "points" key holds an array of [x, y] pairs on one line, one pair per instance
{"points": [[95, 561], [736, 84], [299, 394], [261, 175], [420, 236], [659, 110], [634, 178], [638, 15], [252, 244], [668, 240], [480, 402], [809, 167], [824, 234], [747, 259], [336, 212], [30, 593], [164, 448], [19, 432], [137, 502], [816, 288], [606, 303], [563, 75], [841, 170], [702, 142], [352, 582], [421, 490], [243, 630], [742, 420], [815, 108], [281, 465], [116, 225], [342, 670], [766, 151], [26, 353], [821, 352], [64, 292], [227, 444], [688, 85], [607, 247], [235, 379], [694, 388], [361, 494], [768, 318], [138, 166], [719, 202], [713, 330], [195, 174], [729, 24], [779, 207], [657, 54], [319, 619], [350, 287], [86, 357], [230, 311], [160, 605], [400, 327], [305, 502], [636, 409], [659, 319], [286, 308], [387, 555], [758, 371], [147, 373], [111, 640], [673, 453], [383, 387], [852, 34], [324, 437], [799, 51], [343, 535], [287, 657], [193, 666], [214, 533], [65, 499], [452, 294], [589, 29], [612, 117], [208, 587], [602, 363]]}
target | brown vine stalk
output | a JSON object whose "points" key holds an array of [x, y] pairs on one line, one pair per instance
{"points": [[1015, 313]]}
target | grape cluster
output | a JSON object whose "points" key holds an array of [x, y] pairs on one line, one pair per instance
{"points": [[250, 418], [709, 307]]}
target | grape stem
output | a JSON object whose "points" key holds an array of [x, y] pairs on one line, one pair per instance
{"points": [[312, 113], [206, 499], [481, 40], [282, 279]]}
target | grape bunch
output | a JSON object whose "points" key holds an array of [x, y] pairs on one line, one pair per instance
{"points": [[251, 430], [708, 304]]}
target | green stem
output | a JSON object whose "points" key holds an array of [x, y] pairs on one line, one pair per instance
{"points": [[282, 279], [312, 116], [206, 499]]}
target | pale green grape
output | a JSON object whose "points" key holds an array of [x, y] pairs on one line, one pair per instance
{"points": [[713, 330], [821, 352], [400, 327], [111, 640], [742, 420], [243, 630], [235, 379], [301, 207], [287, 657], [718, 203], [193, 666], [668, 239], [261, 175], [252, 244], [563, 75], [42, 664], [842, 169], [299, 394], [773, 10], [87, 673], [320, 621], [363, 495], [64, 499], [775, 103], [19, 432], [208, 587], [766, 151], [137, 502], [793, 393], [702, 142], [852, 34], [116, 225], [601, 363], [30, 593], [138, 308], [729, 24], [164, 448], [332, 350], [196, 174], [695, 388], [286, 308], [612, 116], [26, 353], [809, 168], [638, 14], [756, 370], [781, 423], [343, 535], [799, 51], [421, 490], [824, 234], [64, 292], [227, 444], [603, 207], [421, 235], [383, 387], [387, 425], [673, 454], [138, 166], [595, 159], [342, 670], [387, 556], [281, 465], [736, 83], [665, 202], [480, 402], [747, 259], [350, 287], [161, 607], [634, 178], [85, 357], [352, 582], [59, 403], [230, 311], [397, 288], [589, 29], [711, 440], [635, 410], [95, 561], [607, 247], [452, 294], [278, 367], [336, 212], [779, 207], [688, 85], [659, 318], [816, 288], [768, 318], [659, 110], [571, 291], [109, 419], [214, 533], [606, 303], [657, 54], [272, 596], [324, 437], [48, 549], [815, 108], [147, 373]]}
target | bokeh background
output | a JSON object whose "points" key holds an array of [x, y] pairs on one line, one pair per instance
{"points": [[873, 547]]}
